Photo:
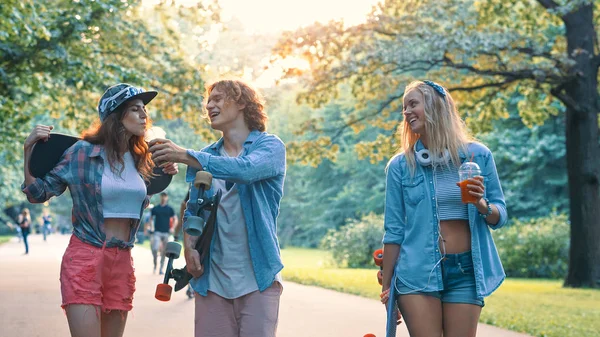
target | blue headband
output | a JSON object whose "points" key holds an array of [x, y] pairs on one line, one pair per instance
{"points": [[440, 90]]}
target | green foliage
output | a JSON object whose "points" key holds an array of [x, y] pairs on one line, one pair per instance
{"points": [[353, 244], [531, 163], [52, 52], [538, 248], [5, 238], [483, 58], [329, 195], [321, 194]]}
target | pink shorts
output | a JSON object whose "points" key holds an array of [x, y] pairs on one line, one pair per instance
{"points": [[103, 277]]}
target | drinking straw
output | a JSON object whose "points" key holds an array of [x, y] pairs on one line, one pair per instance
{"points": [[471, 166]]}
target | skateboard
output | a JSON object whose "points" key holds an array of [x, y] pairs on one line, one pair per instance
{"points": [[164, 290], [378, 258], [198, 225], [46, 154]]}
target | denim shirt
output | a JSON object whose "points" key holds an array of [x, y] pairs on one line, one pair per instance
{"points": [[259, 172], [80, 169], [411, 221]]}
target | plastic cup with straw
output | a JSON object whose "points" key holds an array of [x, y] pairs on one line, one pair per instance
{"points": [[467, 170]]}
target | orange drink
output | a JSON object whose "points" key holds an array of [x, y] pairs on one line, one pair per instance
{"points": [[467, 170]]}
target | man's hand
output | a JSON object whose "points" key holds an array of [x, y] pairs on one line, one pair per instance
{"points": [[164, 151], [192, 259]]}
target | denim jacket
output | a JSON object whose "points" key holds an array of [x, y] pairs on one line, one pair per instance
{"points": [[411, 221], [259, 172]]}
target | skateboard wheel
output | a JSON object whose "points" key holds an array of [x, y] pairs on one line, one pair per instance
{"points": [[163, 292], [369, 335], [380, 277], [378, 257], [203, 178], [173, 249], [194, 225]]}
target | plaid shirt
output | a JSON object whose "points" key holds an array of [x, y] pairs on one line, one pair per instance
{"points": [[80, 168]]}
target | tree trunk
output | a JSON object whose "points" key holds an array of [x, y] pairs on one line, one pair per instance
{"points": [[583, 152]]}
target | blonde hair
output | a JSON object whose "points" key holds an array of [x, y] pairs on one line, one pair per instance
{"points": [[444, 128]]}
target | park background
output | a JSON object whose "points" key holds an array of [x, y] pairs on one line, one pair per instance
{"points": [[524, 73]]}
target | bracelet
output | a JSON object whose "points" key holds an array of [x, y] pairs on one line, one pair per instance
{"points": [[489, 209]]}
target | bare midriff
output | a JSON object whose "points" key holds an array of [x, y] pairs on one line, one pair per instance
{"points": [[456, 235], [117, 228]]}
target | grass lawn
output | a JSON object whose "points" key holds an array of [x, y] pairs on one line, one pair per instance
{"points": [[6, 238], [537, 307]]}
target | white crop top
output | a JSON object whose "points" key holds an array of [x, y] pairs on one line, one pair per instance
{"points": [[122, 195]]}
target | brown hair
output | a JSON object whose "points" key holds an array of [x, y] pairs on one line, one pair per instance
{"points": [[242, 93], [111, 134], [26, 215]]}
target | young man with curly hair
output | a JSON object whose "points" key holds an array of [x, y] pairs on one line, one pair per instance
{"points": [[238, 284]]}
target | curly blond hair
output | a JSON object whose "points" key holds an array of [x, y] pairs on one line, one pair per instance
{"points": [[242, 93]]}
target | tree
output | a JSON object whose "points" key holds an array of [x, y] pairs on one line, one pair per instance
{"points": [[531, 165], [485, 52], [56, 58]]}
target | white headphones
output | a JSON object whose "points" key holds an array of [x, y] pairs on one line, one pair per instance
{"points": [[425, 158]]}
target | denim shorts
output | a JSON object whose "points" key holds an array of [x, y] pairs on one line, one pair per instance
{"points": [[459, 281]]}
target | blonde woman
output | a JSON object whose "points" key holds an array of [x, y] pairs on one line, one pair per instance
{"points": [[440, 261]]}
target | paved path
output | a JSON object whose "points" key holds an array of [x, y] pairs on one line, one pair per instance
{"points": [[30, 301]]}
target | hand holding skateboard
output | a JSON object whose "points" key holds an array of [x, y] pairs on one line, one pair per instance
{"points": [[201, 226], [378, 259], [40, 132]]}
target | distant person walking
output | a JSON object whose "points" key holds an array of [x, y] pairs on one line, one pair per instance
{"points": [[162, 220], [25, 226], [47, 223]]}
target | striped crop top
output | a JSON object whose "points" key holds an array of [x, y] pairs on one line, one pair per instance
{"points": [[122, 195], [447, 193]]}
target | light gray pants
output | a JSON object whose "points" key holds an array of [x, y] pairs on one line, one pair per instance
{"points": [[159, 242], [252, 315]]}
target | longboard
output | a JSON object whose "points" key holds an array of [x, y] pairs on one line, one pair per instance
{"points": [[205, 230], [46, 154]]}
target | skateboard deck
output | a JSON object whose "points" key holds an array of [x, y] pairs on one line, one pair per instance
{"points": [[46, 154], [182, 276]]}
